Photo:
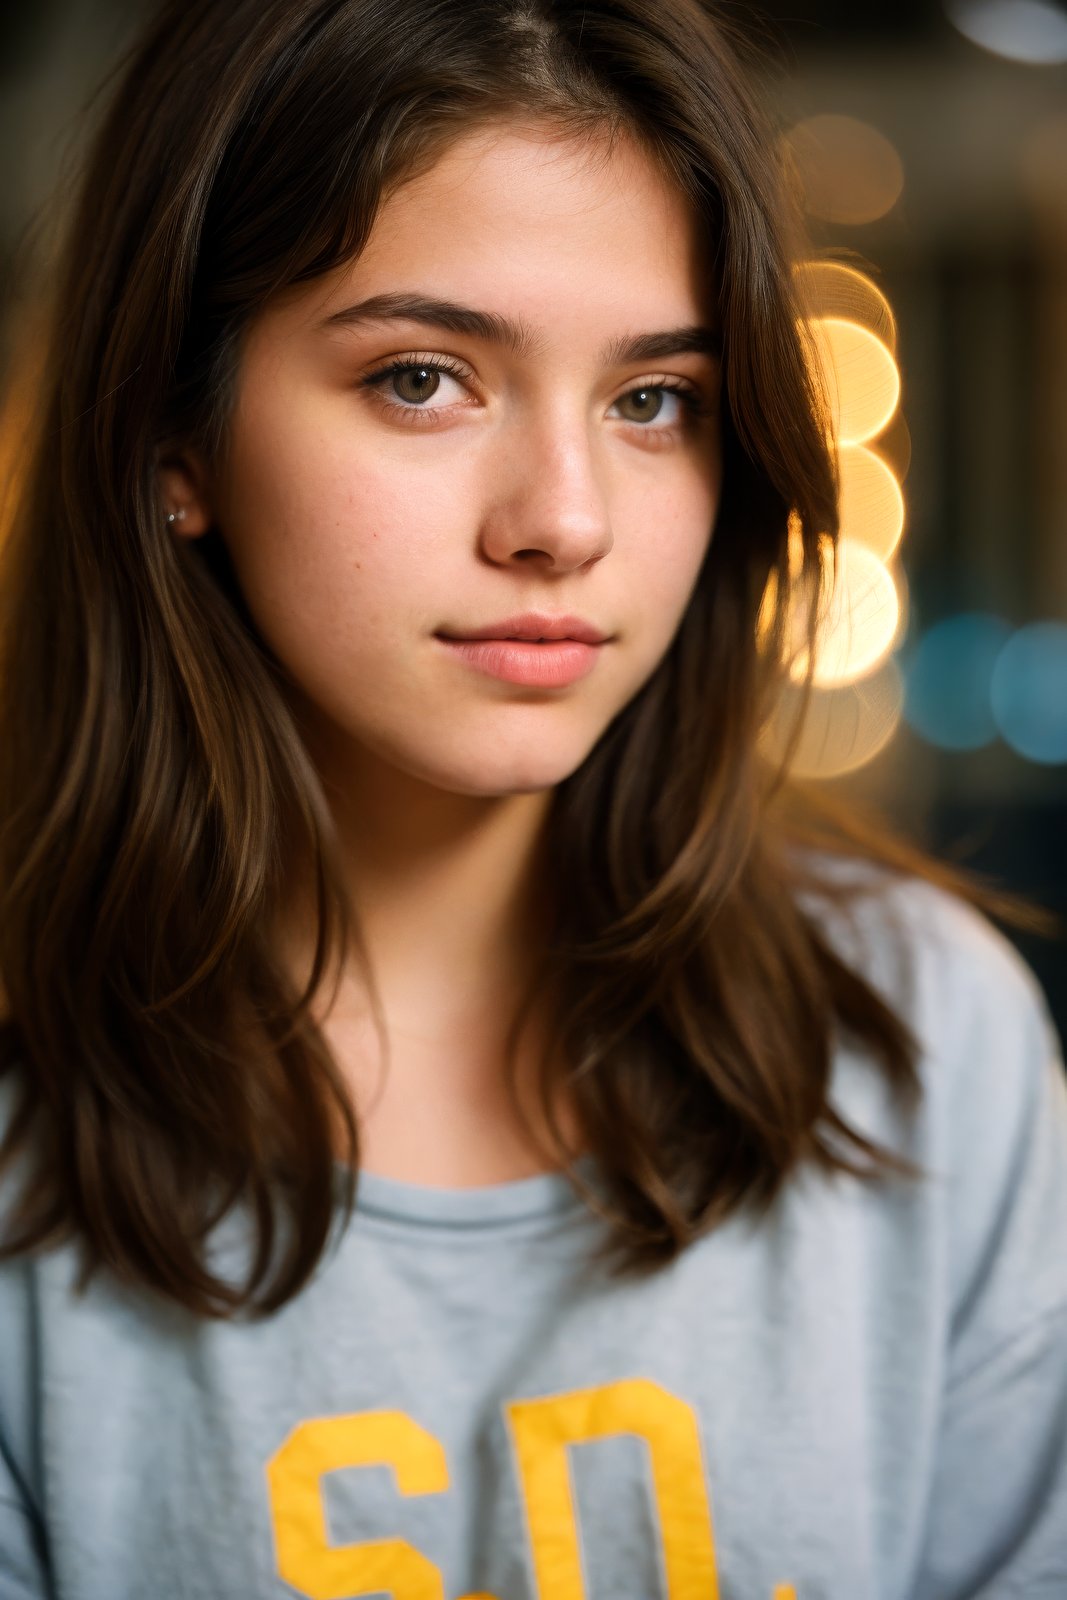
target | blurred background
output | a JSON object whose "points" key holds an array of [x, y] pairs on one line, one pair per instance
{"points": [[929, 141]]}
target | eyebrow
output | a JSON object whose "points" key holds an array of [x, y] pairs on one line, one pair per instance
{"points": [[517, 337]]}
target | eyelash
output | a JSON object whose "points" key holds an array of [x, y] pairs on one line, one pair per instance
{"points": [[693, 402]]}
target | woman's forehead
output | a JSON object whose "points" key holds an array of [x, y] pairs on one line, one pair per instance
{"points": [[555, 175], [523, 224]]}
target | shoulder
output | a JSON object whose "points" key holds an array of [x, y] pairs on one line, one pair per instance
{"points": [[946, 970], [988, 1054], [987, 1051], [992, 1128]]}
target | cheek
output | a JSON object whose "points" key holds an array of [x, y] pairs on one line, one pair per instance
{"points": [[327, 535], [664, 539]]}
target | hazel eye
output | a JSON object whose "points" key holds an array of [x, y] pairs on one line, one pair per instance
{"points": [[416, 384], [413, 381], [641, 405], [669, 404]]}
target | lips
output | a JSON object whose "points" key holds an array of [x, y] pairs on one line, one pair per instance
{"points": [[531, 627], [533, 651]]}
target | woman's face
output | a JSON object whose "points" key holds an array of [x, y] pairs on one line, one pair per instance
{"points": [[521, 421]]}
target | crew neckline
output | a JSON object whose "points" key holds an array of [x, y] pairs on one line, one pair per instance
{"points": [[545, 1194]]}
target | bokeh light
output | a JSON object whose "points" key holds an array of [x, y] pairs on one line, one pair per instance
{"points": [[862, 618], [860, 377], [894, 446], [871, 504], [849, 172], [1032, 31], [842, 729], [1028, 692], [832, 289], [859, 618], [949, 678], [857, 690]]}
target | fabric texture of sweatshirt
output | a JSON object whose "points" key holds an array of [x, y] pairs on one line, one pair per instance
{"points": [[863, 1396]]}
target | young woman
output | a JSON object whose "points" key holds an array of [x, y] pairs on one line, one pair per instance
{"points": [[469, 1130]]}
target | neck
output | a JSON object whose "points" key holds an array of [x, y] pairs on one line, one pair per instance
{"points": [[449, 891], [452, 912], [447, 887]]}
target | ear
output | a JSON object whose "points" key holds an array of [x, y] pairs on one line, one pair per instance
{"points": [[184, 490]]}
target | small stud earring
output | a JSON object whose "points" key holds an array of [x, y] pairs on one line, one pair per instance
{"points": [[175, 516]]}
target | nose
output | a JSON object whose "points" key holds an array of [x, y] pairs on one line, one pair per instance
{"points": [[547, 506]]}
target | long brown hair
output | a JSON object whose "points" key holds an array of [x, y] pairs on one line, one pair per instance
{"points": [[155, 791]]}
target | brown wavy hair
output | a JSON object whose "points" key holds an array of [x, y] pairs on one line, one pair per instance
{"points": [[155, 791]]}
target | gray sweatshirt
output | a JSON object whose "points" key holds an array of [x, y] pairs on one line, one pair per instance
{"points": [[861, 1397]]}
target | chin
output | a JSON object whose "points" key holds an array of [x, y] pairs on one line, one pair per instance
{"points": [[502, 780], [485, 756], [497, 772]]}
